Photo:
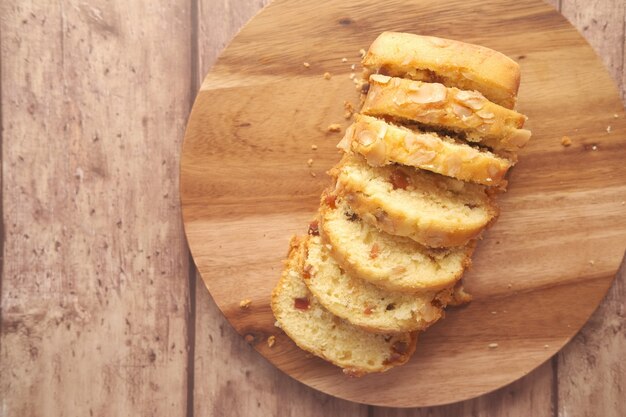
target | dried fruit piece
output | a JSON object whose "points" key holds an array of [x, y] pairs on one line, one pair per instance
{"points": [[374, 252], [306, 271], [331, 200], [314, 228], [399, 180], [301, 303]]}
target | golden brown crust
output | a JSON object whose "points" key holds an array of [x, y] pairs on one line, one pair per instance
{"points": [[382, 143], [435, 105], [454, 63]]}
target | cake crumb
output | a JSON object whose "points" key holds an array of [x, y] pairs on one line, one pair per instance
{"points": [[608, 129], [313, 174], [277, 324], [271, 341], [352, 75], [510, 285], [314, 147], [545, 346], [352, 67], [349, 109], [362, 52], [494, 312], [592, 262], [344, 59], [243, 304], [327, 75], [566, 141], [249, 338], [309, 162], [615, 116], [334, 127], [493, 345], [594, 148], [306, 64]]}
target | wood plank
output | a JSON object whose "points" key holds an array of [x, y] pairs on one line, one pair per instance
{"points": [[602, 23], [231, 378], [591, 369], [591, 373], [95, 285], [529, 396], [246, 188], [554, 3]]}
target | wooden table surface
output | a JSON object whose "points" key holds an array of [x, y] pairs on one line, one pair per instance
{"points": [[102, 311]]}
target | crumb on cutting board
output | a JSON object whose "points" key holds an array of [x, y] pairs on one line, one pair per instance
{"points": [[566, 141], [334, 127], [271, 341]]}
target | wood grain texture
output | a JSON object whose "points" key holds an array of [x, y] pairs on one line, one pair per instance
{"points": [[591, 373], [603, 25], [529, 396], [264, 205], [94, 289], [231, 378]]}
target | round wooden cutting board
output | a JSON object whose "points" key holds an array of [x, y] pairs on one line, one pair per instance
{"points": [[538, 274]]}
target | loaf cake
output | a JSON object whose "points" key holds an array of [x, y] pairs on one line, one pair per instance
{"points": [[452, 63], [383, 143], [467, 113], [432, 209], [412, 194], [395, 263], [314, 329]]}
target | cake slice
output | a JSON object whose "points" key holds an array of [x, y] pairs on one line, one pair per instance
{"points": [[395, 263], [436, 106], [361, 303], [452, 63], [316, 330], [383, 143], [431, 209]]}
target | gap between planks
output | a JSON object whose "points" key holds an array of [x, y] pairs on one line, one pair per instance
{"points": [[191, 322]]}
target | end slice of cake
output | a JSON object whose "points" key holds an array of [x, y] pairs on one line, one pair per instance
{"points": [[316, 330], [450, 62]]}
